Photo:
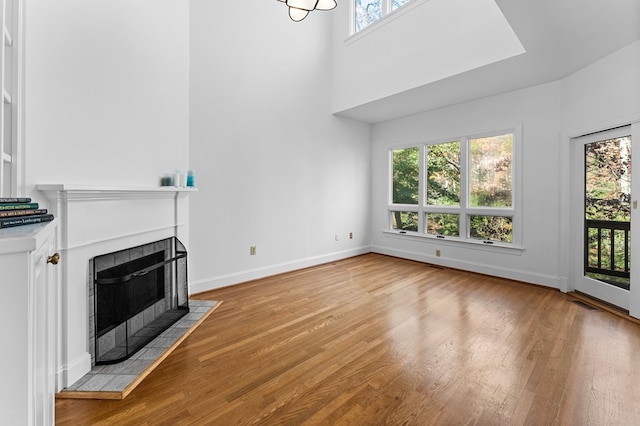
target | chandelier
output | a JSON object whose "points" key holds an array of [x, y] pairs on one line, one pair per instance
{"points": [[299, 9]]}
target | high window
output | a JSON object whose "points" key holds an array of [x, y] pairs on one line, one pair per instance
{"points": [[366, 12], [460, 189]]}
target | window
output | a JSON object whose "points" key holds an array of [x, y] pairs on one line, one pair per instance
{"points": [[366, 12], [11, 94], [460, 189]]}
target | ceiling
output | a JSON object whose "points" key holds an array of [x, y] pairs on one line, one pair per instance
{"points": [[560, 37]]}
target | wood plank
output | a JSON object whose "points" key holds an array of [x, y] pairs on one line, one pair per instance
{"points": [[380, 340], [600, 304]]}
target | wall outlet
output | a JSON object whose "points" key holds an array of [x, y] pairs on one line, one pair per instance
{"points": [[351, 235], [252, 250], [337, 237], [437, 252]]}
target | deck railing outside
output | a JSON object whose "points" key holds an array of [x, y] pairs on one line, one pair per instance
{"points": [[607, 249]]}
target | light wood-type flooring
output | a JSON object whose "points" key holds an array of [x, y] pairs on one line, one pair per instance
{"points": [[375, 340]]}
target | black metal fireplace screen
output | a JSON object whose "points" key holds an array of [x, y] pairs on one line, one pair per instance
{"points": [[138, 294]]}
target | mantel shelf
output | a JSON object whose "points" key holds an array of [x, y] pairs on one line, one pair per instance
{"points": [[93, 192]]}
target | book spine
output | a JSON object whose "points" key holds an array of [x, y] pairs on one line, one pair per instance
{"points": [[14, 213], [14, 200], [27, 220], [18, 206]]}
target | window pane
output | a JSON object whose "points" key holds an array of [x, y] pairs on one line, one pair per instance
{"points": [[490, 176], [491, 228], [443, 224], [397, 3], [608, 180], [367, 12], [406, 174], [443, 174], [404, 221]]}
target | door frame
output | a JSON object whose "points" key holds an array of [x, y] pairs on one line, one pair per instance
{"points": [[572, 241]]}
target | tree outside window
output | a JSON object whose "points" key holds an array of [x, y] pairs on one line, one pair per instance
{"points": [[467, 189], [367, 12]]}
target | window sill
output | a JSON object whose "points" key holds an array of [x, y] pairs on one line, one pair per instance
{"points": [[456, 242]]}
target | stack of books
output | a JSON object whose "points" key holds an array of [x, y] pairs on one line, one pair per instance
{"points": [[21, 211]]}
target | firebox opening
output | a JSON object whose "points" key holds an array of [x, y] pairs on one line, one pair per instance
{"points": [[138, 294]]}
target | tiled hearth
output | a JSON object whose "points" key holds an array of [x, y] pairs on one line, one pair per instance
{"points": [[115, 381]]}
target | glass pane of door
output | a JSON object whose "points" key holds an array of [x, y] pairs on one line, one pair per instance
{"points": [[607, 211]]}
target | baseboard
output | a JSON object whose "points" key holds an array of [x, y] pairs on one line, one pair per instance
{"points": [[513, 274], [73, 371], [212, 283]]}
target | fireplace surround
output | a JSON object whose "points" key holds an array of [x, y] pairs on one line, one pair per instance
{"points": [[93, 220], [138, 293]]}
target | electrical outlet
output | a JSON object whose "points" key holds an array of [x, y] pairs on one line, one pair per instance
{"points": [[252, 250], [437, 252], [351, 235], [337, 237]]}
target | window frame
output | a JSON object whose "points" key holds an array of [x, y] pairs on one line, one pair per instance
{"points": [[386, 12], [12, 159], [464, 210]]}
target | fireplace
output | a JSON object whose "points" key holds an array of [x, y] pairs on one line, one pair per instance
{"points": [[138, 293]]}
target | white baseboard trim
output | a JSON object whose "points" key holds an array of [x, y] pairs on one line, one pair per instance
{"points": [[213, 283], [513, 274], [73, 371]]}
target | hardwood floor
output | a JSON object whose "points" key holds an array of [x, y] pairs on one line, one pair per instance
{"points": [[377, 340]]}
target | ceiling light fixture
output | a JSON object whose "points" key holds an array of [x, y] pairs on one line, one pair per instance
{"points": [[299, 9]]}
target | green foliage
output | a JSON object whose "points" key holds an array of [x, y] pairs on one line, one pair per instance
{"points": [[608, 180], [443, 174], [406, 176], [405, 221], [490, 171], [443, 224], [491, 228]]}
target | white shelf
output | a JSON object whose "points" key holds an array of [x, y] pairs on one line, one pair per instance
{"points": [[93, 192], [25, 238]]}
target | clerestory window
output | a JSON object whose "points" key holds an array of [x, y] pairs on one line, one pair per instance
{"points": [[366, 12], [462, 189]]}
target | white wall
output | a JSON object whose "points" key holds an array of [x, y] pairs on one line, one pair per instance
{"points": [[274, 168], [107, 91], [538, 110], [423, 42], [601, 96], [605, 94]]}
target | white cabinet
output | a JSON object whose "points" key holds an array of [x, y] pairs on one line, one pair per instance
{"points": [[28, 285]]}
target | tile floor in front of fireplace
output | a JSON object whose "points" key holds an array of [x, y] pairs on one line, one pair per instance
{"points": [[117, 377]]}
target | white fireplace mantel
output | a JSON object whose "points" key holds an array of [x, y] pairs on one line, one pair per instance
{"points": [[102, 191], [94, 220], [101, 208]]}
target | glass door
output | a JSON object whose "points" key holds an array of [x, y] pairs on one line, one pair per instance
{"points": [[606, 215]]}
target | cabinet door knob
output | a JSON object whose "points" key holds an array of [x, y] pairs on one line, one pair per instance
{"points": [[53, 259]]}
